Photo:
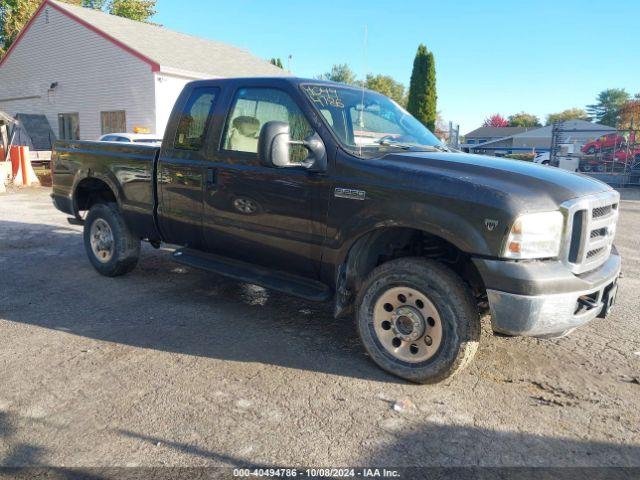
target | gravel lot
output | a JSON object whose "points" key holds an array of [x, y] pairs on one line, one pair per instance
{"points": [[172, 366]]}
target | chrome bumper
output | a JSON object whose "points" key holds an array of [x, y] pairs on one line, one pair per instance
{"points": [[552, 314]]}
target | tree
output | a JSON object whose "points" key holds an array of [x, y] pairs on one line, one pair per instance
{"points": [[386, 86], [607, 109], [422, 99], [14, 14], [496, 120], [340, 73], [630, 114], [523, 119], [277, 62], [140, 10], [566, 115]]}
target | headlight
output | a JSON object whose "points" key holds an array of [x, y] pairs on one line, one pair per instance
{"points": [[535, 235]]}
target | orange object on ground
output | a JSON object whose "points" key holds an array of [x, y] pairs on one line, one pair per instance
{"points": [[26, 175], [14, 152]]}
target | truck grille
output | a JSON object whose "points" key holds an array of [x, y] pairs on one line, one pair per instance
{"points": [[591, 227]]}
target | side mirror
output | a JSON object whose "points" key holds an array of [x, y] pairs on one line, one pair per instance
{"points": [[274, 148]]}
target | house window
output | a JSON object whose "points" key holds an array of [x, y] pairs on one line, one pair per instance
{"points": [[471, 141], [69, 126], [113, 122]]}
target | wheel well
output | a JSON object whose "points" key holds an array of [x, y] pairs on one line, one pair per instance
{"points": [[382, 245], [91, 191]]}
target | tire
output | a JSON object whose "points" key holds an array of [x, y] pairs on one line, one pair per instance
{"points": [[114, 251], [454, 330]]}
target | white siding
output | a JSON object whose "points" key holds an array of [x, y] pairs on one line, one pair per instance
{"points": [[93, 75], [168, 88]]}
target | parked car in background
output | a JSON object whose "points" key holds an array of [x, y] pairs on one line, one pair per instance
{"points": [[144, 138], [542, 158], [606, 141]]}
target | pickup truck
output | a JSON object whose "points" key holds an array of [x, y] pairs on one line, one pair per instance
{"points": [[334, 193]]}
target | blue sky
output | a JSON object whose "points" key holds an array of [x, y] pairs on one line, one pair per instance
{"points": [[493, 56]]}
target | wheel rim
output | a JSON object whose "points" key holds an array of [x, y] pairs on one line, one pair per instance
{"points": [[407, 324], [101, 238]]}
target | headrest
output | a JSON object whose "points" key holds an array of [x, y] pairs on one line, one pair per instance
{"points": [[246, 126]]}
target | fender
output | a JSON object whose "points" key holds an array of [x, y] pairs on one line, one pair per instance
{"points": [[107, 177], [469, 235]]}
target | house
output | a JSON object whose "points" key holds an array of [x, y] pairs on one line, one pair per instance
{"points": [[489, 134], [91, 73], [539, 139]]}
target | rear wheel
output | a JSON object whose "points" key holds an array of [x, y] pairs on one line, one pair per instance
{"points": [[418, 320], [111, 247]]}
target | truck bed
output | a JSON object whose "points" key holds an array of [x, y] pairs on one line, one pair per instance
{"points": [[127, 169]]}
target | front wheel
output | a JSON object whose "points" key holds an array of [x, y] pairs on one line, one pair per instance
{"points": [[111, 247], [418, 320]]}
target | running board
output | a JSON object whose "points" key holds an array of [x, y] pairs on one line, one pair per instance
{"points": [[244, 272]]}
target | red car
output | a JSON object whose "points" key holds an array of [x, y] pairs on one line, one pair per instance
{"points": [[606, 141], [612, 161]]}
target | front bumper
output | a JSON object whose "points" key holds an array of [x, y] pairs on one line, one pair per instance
{"points": [[550, 305]]}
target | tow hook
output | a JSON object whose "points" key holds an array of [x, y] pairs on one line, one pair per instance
{"points": [[587, 302]]}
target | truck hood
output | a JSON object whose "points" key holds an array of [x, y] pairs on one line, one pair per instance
{"points": [[527, 186]]}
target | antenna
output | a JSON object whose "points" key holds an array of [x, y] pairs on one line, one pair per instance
{"points": [[364, 79]]}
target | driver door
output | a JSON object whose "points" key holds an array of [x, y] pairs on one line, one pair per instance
{"points": [[273, 217]]}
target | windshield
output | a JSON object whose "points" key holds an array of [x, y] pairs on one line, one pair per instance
{"points": [[369, 124]]}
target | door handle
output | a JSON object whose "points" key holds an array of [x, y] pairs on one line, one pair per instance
{"points": [[211, 177]]}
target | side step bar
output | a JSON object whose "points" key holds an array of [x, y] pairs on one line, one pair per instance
{"points": [[244, 272]]}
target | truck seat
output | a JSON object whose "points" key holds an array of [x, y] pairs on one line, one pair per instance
{"points": [[244, 134]]}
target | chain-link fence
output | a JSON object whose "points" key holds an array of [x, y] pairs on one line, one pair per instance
{"points": [[613, 157]]}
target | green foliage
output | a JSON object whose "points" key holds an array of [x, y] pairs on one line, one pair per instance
{"points": [[140, 10], [386, 85], [14, 14], [340, 73], [383, 84], [422, 99], [523, 119], [566, 115], [277, 62], [607, 109], [525, 157]]}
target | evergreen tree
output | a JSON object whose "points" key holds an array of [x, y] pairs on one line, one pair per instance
{"points": [[422, 89], [607, 110], [277, 62]]}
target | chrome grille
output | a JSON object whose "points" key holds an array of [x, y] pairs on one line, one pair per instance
{"points": [[601, 211], [590, 229]]}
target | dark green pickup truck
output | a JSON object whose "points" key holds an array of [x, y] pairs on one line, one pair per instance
{"points": [[333, 193]]}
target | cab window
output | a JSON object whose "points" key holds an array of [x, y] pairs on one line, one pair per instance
{"points": [[252, 108], [194, 119]]}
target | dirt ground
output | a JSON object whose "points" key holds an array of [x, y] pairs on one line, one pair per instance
{"points": [[173, 366]]}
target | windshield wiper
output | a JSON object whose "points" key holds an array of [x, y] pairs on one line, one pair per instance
{"points": [[389, 143], [411, 146]]}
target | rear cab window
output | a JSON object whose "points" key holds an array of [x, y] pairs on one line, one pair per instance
{"points": [[195, 118]]}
